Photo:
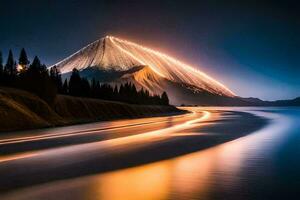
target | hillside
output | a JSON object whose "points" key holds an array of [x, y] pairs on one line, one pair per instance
{"points": [[76, 109], [21, 110]]}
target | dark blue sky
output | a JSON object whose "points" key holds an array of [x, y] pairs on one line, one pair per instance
{"points": [[252, 47]]}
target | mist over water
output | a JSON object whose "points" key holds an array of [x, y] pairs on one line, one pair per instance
{"points": [[262, 165]]}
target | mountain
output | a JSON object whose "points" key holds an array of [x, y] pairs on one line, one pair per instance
{"points": [[292, 102], [116, 61]]}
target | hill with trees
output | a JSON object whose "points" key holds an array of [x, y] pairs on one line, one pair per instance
{"points": [[47, 83], [32, 96]]}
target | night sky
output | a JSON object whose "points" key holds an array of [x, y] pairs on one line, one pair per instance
{"points": [[252, 47]]}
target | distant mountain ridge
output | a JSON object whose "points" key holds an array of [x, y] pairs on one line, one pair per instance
{"points": [[116, 61], [259, 102]]}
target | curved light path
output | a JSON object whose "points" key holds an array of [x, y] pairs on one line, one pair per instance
{"points": [[181, 122], [62, 134]]}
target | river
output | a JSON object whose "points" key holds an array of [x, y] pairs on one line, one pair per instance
{"points": [[264, 164]]}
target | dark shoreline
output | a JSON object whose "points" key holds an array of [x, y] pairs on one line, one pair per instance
{"points": [[4, 134], [21, 110]]}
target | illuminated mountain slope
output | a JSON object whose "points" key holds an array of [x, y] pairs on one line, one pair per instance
{"points": [[121, 59]]}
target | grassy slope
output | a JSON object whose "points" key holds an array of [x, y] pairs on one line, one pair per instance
{"points": [[85, 109], [22, 110]]}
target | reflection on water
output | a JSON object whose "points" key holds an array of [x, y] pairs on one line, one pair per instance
{"points": [[240, 169], [147, 182]]}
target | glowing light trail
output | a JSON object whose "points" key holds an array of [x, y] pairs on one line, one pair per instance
{"points": [[164, 56], [87, 131], [130, 140], [111, 53], [134, 57], [160, 133]]}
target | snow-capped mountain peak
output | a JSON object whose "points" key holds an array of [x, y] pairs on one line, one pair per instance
{"points": [[111, 53]]}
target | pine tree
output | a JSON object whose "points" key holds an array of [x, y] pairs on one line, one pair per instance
{"points": [[52, 73], [122, 93], [10, 67], [56, 78], [165, 98], [36, 64], [37, 80], [23, 60], [75, 83]]}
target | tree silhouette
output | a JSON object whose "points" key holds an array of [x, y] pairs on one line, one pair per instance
{"points": [[10, 71], [23, 60], [116, 95], [55, 76], [36, 79], [10, 66], [75, 83], [165, 99]]}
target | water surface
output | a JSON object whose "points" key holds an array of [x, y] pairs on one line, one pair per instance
{"points": [[262, 165]]}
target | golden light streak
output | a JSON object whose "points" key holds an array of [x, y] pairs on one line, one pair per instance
{"points": [[159, 120], [159, 133], [190, 68], [16, 156], [143, 137], [134, 57]]}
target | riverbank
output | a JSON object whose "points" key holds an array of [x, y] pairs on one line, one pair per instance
{"points": [[20, 110]]}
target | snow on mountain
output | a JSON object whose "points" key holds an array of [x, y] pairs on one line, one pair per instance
{"points": [[113, 54]]}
